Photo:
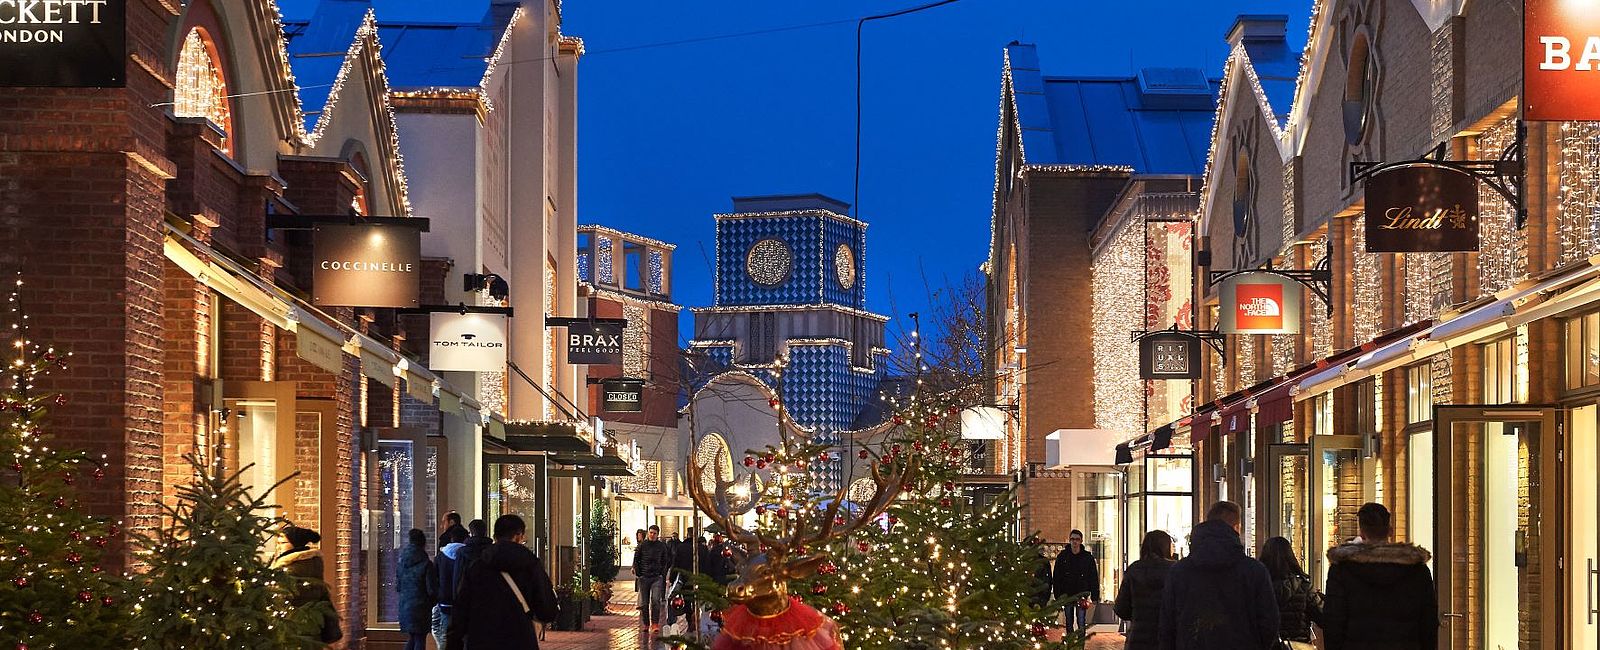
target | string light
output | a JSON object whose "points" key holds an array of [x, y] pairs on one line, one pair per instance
{"points": [[1503, 251], [1578, 173], [1117, 281], [1321, 325], [769, 262], [1366, 284]]}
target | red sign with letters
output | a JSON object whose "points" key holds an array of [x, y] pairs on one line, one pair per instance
{"points": [[1561, 60], [1260, 306]]}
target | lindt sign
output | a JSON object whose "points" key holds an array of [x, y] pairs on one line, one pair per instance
{"points": [[1422, 208], [1560, 60], [63, 43]]}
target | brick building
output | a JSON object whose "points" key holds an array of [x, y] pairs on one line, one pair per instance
{"points": [[162, 232], [1456, 388], [1092, 175]]}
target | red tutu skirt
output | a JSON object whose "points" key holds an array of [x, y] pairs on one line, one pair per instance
{"points": [[798, 628]]}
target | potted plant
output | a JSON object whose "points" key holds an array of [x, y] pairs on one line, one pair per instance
{"points": [[569, 614], [601, 540]]}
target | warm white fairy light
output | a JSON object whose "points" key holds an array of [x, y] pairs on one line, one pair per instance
{"points": [[1288, 210], [769, 262], [1321, 325], [1578, 221], [636, 342], [1244, 360], [1366, 285], [1439, 366], [1283, 352], [1419, 286], [1503, 249], [1117, 280]]}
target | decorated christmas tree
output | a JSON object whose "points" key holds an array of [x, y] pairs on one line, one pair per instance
{"points": [[210, 583], [54, 591]]}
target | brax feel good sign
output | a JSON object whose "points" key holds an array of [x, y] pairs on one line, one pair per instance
{"points": [[63, 43]]}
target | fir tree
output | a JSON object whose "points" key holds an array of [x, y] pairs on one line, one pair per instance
{"points": [[54, 592], [211, 584], [602, 544]]}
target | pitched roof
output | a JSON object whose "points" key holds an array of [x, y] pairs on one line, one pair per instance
{"points": [[1157, 122], [416, 54], [317, 49]]}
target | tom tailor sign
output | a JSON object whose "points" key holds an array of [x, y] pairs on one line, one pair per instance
{"points": [[365, 265], [1260, 303], [63, 43], [1169, 355], [1422, 209], [1560, 60], [594, 343], [468, 342], [621, 395]]}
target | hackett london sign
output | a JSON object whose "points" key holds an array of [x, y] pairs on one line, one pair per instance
{"points": [[468, 342], [622, 395], [594, 343], [1169, 355], [1260, 303], [1561, 60], [365, 265], [1422, 209], [63, 43]]}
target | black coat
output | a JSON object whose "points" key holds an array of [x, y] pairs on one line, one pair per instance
{"points": [[471, 551], [652, 559], [1077, 573], [1298, 607], [449, 563], [1218, 598], [418, 584], [1139, 601], [487, 615], [1380, 597], [306, 565]]}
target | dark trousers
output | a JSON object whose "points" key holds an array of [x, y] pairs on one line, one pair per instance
{"points": [[652, 600], [417, 641]]}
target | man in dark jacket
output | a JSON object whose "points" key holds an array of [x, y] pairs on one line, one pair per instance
{"points": [[453, 532], [652, 560], [1380, 593], [1077, 573], [501, 595], [1139, 598], [1218, 598], [452, 563]]}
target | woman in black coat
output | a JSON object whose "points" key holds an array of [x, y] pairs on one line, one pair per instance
{"points": [[1298, 604], [1139, 597], [305, 563], [418, 584]]}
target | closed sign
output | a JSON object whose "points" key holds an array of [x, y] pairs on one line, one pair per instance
{"points": [[622, 395], [467, 342]]}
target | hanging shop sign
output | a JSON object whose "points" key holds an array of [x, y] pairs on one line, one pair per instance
{"points": [[365, 265], [63, 43], [622, 395], [1260, 303], [1422, 209], [1561, 52], [594, 343], [467, 342], [1169, 355]]}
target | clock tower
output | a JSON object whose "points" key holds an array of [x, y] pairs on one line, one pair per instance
{"points": [[790, 309]]}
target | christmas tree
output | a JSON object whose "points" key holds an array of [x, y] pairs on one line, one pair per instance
{"points": [[54, 592], [211, 584], [602, 547]]}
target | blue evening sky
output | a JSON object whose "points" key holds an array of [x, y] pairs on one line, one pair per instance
{"points": [[667, 134]]}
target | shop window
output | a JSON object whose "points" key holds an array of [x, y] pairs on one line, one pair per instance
{"points": [[202, 88], [1583, 351], [1322, 415], [1419, 393], [1500, 370]]}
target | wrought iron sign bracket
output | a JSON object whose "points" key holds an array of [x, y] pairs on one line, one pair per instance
{"points": [[1318, 279], [458, 308], [562, 321], [309, 221], [1213, 338], [1504, 175]]}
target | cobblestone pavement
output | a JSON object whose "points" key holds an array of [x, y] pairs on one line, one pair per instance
{"points": [[620, 631]]}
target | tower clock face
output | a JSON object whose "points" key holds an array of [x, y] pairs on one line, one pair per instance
{"points": [[844, 264], [769, 262]]}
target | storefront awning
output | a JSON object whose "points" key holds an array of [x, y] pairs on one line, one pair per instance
{"points": [[660, 501], [560, 437]]}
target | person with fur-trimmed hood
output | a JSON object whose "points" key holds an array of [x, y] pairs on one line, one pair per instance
{"points": [[305, 563], [1380, 594]]}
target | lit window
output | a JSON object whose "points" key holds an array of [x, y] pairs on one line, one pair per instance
{"points": [[1419, 393], [201, 90]]}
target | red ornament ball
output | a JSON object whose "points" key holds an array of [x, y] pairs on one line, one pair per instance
{"points": [[59, 502], [107, 601], [895, 449], [98, 474], [22, 646], [899, 420], [819, 588], [949, 485], [828, 569], [893, 520], [22, 550], [944, 446], [727, 552], [863, 547], [860, 454], [749, 461], [761, 510], [75, 535], [21, 582], [677, 601], [916, 446], [95, 569], [839, 609], [74, 558], [773, 403], [100, 542], [761, 464], [35, 617], [783, 513], [823, 457], [945, 502], [85, 596], [61, 400], [1037, 629], [716, 616]]}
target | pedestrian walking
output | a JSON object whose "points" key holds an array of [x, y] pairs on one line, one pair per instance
{"points": [[453, 532], [1218, 598], [418, 583], [299, 559], [638, 585], [1043, 583], [1380, 592], [450, 570], [1299, 605], [1139, 597], [1077, 574], [652, 561], [503, 592]]}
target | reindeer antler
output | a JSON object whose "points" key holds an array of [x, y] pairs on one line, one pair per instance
{"points": [[887, 487], [716, 505]]}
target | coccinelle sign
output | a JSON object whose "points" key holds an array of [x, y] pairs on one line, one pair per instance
{"points": [[1561, 60], [63, 43], [1260, 303]]}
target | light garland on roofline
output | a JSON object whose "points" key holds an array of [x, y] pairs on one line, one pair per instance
{"points": [[1078, 169], [1305, 64], [766, 308], [494, 59], [1240, 58], [287, 72], [636, 238], [809, 212]]}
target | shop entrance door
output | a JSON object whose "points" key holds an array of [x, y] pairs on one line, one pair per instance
{"points": [[1583, 551], [1288, 511], [1336, 490], [1496, 526]]}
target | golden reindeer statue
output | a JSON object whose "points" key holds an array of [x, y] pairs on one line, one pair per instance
{"points": [[764, 616]]}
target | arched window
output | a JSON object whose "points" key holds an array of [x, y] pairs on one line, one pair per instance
{"points": [[714, 461], [861, 490], [1360, 89], [202, 88]]}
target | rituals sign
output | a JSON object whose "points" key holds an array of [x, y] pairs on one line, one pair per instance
{"points": [[1169, 355], [1422, 209]]}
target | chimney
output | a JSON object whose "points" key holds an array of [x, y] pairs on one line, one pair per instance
{"points": [[1258, 28]]}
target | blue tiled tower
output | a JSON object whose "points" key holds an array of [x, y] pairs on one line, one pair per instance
{"points": [[791, 309]]}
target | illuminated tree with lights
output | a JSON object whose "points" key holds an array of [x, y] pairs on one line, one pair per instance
{"points": [[211, 584], [54, 592]]}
